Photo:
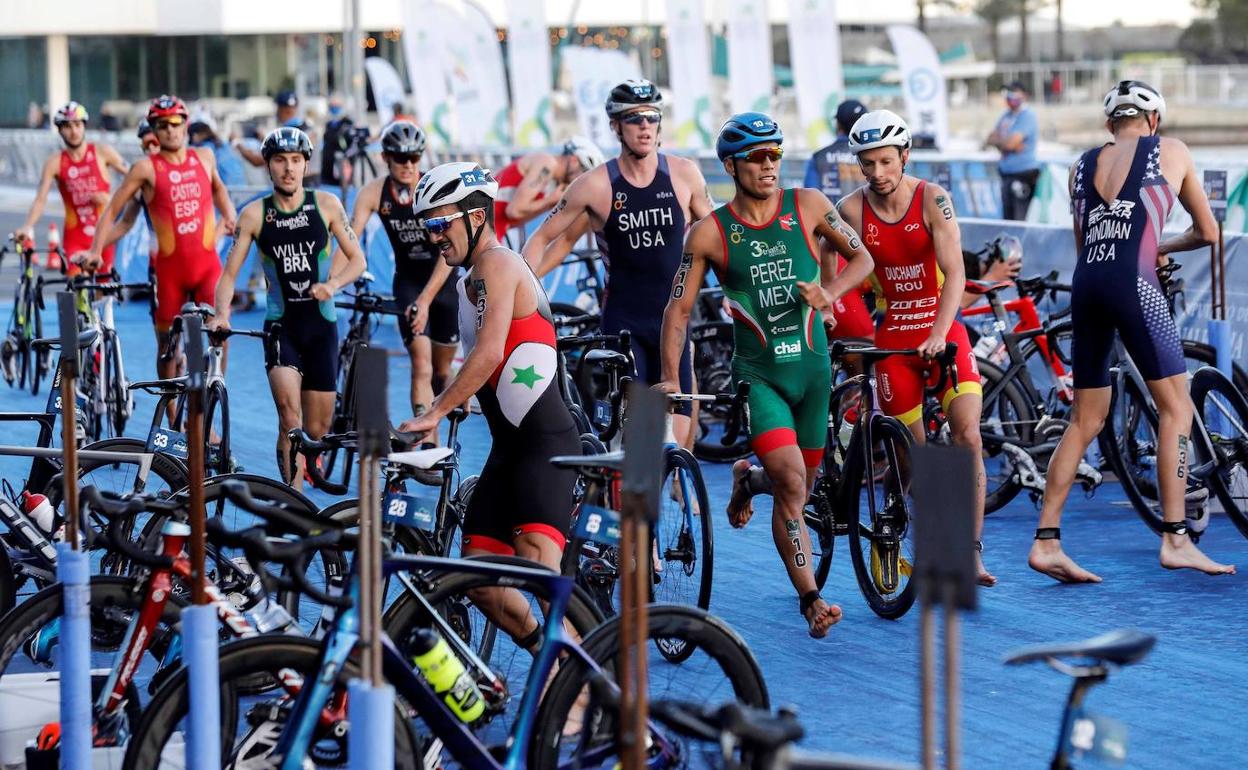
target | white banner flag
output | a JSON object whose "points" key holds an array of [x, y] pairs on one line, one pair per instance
{"points": [[689, 62], [815, 51], [922, 83], [387, 86], [528, 53], [594, 72], [423, 50], [749, 56], [478, 79]]}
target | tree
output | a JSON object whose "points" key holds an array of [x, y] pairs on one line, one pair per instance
{"points": [[1231, 24], [993, 12]]}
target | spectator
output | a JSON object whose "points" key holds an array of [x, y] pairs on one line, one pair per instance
{"points": [[401, 113], [834, 169], [1015, 135], [338, 138], [287, 103], [203, 133]]}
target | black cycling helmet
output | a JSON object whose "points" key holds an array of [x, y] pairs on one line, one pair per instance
{"points": [[286, 139], [632, 94], [403, 137], [145, 128]]}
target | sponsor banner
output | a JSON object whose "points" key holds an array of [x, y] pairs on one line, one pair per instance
{"points": [[424, 52], [688, 58], [922, 83], [593, 73], [815, 53], [749, 56], [474, 67], [528, 54], [387, 86]]}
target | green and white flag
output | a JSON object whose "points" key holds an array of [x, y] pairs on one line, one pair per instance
{"points": [[689, 61], [749, 56], [528, 53], [424, 51], [815, 51]]}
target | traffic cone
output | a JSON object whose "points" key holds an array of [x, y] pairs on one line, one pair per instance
{"points": [[54, 242]]}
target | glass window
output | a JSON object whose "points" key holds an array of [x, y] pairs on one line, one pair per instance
{"points": [[23, 78], [130, 74], [244, 66], [186, 67], [91, 71], [216, 66], [159, 64], [276, 66]]}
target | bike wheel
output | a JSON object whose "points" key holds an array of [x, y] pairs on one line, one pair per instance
{"points": [[1198, 354], [116, 396], [459, 598], [1129, 443], [160, 739], [217, 425], [29, 636], [684, 543], [1224, 412], [1007, 413], [712, 370], [722, 669], [41, 362], [881, 540]]}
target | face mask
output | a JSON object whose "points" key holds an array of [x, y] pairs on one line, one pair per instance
{"points": [[1013, 101]]}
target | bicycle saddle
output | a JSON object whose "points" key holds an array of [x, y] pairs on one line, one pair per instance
{"points": [[157, 387], [421, 459], [610, 359], [984, 287], [85, 338], [203, 309], [1122, 647], [612, 461]]}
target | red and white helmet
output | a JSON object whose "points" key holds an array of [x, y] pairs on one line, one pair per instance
{"points": [[166, 106], [70, 112]]}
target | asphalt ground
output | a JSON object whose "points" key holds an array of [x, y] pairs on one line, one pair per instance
{"points": [[858, 690]]}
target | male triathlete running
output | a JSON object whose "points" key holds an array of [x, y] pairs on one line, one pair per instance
{"points": [[764, 248], [1121, 194], [641, 204], [180, 185], [912, 231], [291, 229], [532, 184], [420, 278], [522, 503], [80, 171]]}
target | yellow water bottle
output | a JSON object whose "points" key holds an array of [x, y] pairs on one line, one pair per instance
{"points": [[446, 674]]}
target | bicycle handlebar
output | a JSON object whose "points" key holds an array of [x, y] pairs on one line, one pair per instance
{"points": [[259, 548], [947, 358], [119, 510], [372, 303], [303, 444]]}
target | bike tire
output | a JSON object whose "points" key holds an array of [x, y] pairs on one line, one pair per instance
{"points": [[1203, 354], [8, 582], [1129, 443], [1005, 404], [217, 403], [712, 370], [41, 363], [705, 633], [248, 660], [115, 398], [1224, 412], [895, 441], [684, 541]]}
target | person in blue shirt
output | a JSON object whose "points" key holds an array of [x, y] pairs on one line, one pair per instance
{"points": [[833, 170], [1015, 135], [203, 133]]}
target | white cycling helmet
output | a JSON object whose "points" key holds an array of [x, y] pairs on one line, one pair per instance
{"points": [[585, 151], [451, 183], [878, 128], [1132, 97]]}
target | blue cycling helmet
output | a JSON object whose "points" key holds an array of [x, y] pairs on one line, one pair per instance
{"points": [[746, 129]]}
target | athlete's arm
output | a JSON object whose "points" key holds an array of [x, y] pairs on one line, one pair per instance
{"points": [[829, 226], [139, 175], [367, 201], [947, 239], [244, 235], [125, 223], [1074, 216], [573, 203], [112, 159], [525, 203], [424, 300], [495, 279], [220, 195], [46, 178], [702, 249], [1204, 228], [558, 249], [700, 202], [340, 274]]}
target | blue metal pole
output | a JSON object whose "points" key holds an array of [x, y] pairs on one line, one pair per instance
{"points": [[73, 570], [370, 744], [199, 639], [1220, 339]]}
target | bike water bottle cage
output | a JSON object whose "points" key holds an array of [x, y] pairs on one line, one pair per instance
{"points": [[1049, 533]]}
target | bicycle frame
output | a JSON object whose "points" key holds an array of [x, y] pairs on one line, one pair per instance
{"points": [[1029, 326]]}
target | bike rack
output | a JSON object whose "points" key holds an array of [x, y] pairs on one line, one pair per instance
{"points": [[370, 699], [1219, 327]]}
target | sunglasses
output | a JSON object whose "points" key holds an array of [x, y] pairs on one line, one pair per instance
{"points": [[439, 225], [166, 123], [772, 154], [637, 118], [403, 158]]}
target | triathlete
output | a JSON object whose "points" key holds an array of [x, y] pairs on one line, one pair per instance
{"points": [[532, 184], [80, 171], [911, 229], [431, 328], [522, 503], [179, 185], [641, 204], [833, 170], [764, 248], [1121, 194], [291, 229]]}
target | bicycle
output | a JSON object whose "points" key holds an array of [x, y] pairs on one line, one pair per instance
{"points": [[26, 321], [287, 728]]}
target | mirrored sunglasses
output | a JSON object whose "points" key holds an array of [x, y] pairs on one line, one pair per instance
{"points": [[637, 118], [760, 154]]}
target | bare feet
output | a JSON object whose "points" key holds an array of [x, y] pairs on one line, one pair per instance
{"points": [[1048, 558], [741, 504], [1179, 552], [821, 616], [983, 576]]}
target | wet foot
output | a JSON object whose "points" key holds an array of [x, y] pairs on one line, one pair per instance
{"points": [[821, 616], [1179, 552], [741, 504], [1051, 560]]}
